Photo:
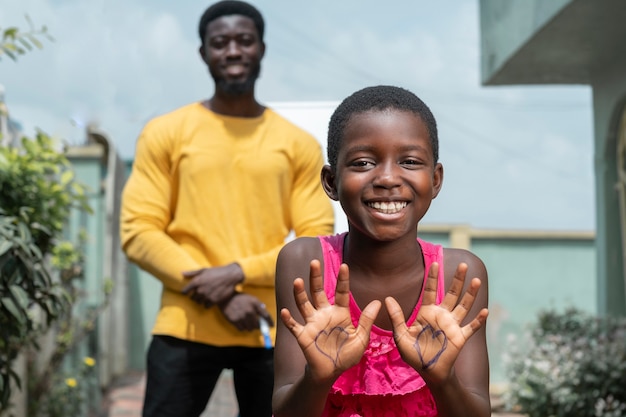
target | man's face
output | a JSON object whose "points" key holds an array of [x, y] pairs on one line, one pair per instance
{"points": [[233, 52]]}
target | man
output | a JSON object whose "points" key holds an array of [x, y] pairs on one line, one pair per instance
{"points": [[216, 188]]}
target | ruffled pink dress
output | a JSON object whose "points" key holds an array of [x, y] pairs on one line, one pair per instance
{"points": [[381, 384]]}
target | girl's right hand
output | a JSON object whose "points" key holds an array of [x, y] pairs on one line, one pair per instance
{"points": [[330, 342]]}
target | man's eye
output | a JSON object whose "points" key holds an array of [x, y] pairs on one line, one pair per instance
{"points": [[218, 43], [246, 40]]}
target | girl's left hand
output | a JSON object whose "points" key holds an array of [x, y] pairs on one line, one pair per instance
{"points": [[433, 342]]}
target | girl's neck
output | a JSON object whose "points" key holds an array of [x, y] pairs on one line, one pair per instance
{"points": [[376, 257]]}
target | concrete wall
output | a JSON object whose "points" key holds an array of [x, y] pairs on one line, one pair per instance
{"points": [[609, 102], [577, 41]]}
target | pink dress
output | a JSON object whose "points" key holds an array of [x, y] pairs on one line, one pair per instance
{"points": [[381, 384]]}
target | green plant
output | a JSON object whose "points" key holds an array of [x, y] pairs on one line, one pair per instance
{"points": [[573, 364], [71, 328], [69, 391], [37, 193], [16, 42]]}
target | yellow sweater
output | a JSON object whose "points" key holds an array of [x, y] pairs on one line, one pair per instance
{"points": [[207, 190]]}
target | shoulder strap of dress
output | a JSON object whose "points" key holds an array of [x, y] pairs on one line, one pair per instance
{"points": [[434, 253], [332, 250]]}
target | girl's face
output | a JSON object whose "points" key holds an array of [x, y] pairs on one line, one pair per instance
{"points": [[386, 177]]}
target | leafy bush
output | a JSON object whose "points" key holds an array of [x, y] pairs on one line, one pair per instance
{"points": [[572, 365], [37, 193]]}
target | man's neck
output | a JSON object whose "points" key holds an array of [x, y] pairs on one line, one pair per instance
{"points": [[240, 106]]}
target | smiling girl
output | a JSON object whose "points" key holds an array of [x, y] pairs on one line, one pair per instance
{"points": [[367, 327]]}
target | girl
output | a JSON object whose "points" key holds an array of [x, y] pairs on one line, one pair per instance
{"points": [[376, 335]]}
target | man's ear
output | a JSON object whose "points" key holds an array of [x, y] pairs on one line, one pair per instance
{"points": [[203, 54], [328, 182], [262, 51], [437, 179]]}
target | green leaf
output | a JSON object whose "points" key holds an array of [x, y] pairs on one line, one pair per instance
{"points": [[24, 232], [5, 394], [19, 295], [66, 177], [25, 44], [9, 46], [8, 303], [10, 33], [34, 40], [8, 53], [5, 246]]}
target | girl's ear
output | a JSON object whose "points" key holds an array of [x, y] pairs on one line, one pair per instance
{"points": [[437, 179], [328, 182]]}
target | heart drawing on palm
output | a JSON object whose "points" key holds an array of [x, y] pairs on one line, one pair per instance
{"points": [[430, 344], [330, 343]]}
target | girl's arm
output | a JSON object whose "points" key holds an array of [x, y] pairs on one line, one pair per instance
{"points": [[315, 341], [447, 343], [466, 393]]}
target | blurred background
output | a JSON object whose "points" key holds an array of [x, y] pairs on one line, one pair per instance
{"points": [[529, 96], [514, 156]]}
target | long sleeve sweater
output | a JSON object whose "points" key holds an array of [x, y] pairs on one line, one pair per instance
{"points": [[207, 190]]}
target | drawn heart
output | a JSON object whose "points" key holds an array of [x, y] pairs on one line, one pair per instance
{"points": [[430, 337], [327, 342]]}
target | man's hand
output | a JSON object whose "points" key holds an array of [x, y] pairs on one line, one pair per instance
{"points": [[209, 286], [244, 310]]}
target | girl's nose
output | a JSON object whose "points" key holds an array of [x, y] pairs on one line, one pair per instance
{"points": [[387, 176]]}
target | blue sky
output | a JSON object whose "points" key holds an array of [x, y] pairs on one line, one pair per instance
{"points": [[515, 157]]}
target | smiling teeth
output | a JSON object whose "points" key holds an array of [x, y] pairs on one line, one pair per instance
{"points": [[388, 208]]}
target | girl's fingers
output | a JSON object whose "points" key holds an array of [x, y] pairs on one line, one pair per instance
{"points": [[473, 326], [397, 318], [342, 291], [460, 311], [302, 299], [368, 316], [456, 288], [290, 323], [430, 289], [316, 284]]}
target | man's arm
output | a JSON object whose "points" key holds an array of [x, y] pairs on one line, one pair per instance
{"points": [[146, 212]]}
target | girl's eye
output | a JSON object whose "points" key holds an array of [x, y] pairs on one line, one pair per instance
{"points": [[412, 162], [361, 163]]}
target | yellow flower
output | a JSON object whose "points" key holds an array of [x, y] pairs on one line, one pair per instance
{"points": [[71, 382], [89, 361]]}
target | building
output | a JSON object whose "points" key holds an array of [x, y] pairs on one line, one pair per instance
{"points": [[574, 42]]}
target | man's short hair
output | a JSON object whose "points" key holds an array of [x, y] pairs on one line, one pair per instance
{"points": [[227, 8]]}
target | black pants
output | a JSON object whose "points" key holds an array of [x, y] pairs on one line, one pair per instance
{"points": [[181, 376]]}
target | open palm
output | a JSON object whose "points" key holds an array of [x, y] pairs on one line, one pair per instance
{"points": [[433, 342], [330, 342]]}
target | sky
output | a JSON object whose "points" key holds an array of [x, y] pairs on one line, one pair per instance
{"points": [[514, 157]]}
